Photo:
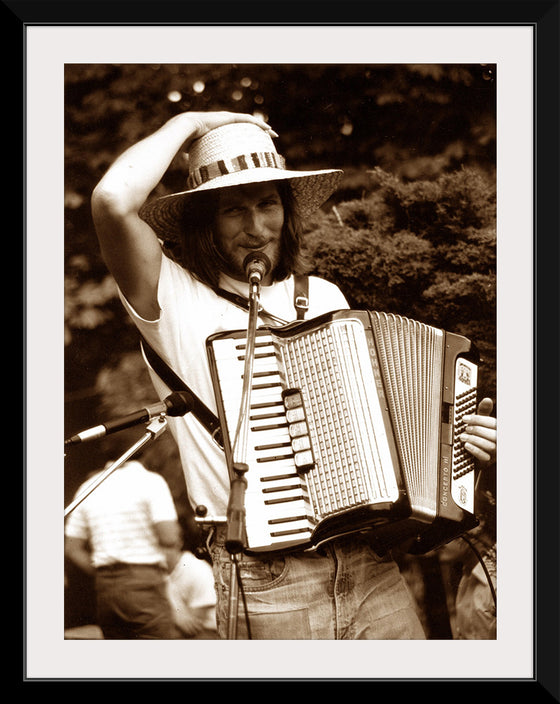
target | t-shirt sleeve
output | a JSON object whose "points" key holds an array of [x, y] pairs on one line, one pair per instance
{"points": [[183, 309], [171, 280]]}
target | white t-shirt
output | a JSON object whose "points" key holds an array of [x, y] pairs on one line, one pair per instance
{"points": [[118, 516], [190, 313]]}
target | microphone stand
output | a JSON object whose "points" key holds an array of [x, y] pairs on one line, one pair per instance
{"points": [[153, 430], [235, 531]]}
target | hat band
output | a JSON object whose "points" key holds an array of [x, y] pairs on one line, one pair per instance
{"points": [[243, 162]]}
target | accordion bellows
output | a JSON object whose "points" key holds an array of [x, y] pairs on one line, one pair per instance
{"points": [[354, 425]]}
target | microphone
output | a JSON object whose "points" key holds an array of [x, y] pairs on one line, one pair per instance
{"points": [[256, 265], [177, 404]]}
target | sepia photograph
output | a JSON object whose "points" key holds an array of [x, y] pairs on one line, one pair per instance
{"points": [[286, 299], [403, 226]]}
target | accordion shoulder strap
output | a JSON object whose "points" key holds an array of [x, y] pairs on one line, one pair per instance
{"points": [[202, 413], [301, 295]]}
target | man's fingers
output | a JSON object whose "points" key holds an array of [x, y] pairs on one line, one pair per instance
{"points": [[483, 442], [481, 430], [485, 407], [478, 452], [473, 422]]}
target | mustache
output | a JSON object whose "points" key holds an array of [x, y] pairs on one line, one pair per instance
{"points": [[254, 243]]}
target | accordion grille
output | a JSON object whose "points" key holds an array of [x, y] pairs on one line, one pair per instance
{"points": [[332, 367]]}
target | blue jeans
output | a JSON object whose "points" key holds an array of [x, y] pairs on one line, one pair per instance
{"points": [[342, 591]]}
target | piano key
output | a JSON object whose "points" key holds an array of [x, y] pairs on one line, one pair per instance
{"points": [[265, 359], [267, 415], [270, 508], [270, 469], [299, 517], [264, 340], [262, 425], [232, 391], [287, 476], [273, 403], [265, 399], [263, 407], [274, 482], [275, 514], [294, 522], [275, 457], [233, 383], [281, 491], [273, 446], [295, 519], [275, 539], [267, 433]]}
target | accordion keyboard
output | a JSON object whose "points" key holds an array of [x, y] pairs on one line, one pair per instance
{"points": [[277, 506], [463, 480]]}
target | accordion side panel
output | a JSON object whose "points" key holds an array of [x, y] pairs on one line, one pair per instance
{"points": [[460, 398]]}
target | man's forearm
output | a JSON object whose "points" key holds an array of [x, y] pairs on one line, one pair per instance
{"points": [[136, 172]]}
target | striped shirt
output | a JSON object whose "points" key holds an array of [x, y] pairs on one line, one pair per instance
{"points": [[118, 517]]}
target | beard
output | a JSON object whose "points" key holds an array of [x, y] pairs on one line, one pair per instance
{"points": [[233, 262]]}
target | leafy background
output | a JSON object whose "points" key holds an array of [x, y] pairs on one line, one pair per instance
{"points": [[412, 230]]}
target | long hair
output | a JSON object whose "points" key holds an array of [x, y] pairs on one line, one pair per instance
{"points": [[199, 254]]}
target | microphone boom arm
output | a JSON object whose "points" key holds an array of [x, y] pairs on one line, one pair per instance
{"points": [[153, 431]]}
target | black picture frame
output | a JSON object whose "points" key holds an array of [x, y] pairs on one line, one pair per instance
{"points": [[544, 18]]}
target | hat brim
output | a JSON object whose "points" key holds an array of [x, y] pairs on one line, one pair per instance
{"points": [[311, 189]]}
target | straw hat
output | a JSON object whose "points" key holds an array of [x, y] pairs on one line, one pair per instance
{"points": [[234, 155]]}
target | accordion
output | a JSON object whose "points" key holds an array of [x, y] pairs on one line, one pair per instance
{"points": [[353, 425]]}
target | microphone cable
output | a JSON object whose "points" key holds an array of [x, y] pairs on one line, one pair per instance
{"points": [[485, 569]]}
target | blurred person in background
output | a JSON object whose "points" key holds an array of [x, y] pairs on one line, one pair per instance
{"points": [[476, 600], [239, 200], [125, 534], [190, 589]]}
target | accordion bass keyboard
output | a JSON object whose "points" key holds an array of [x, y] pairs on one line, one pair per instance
{"points": [[354, 424]]}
